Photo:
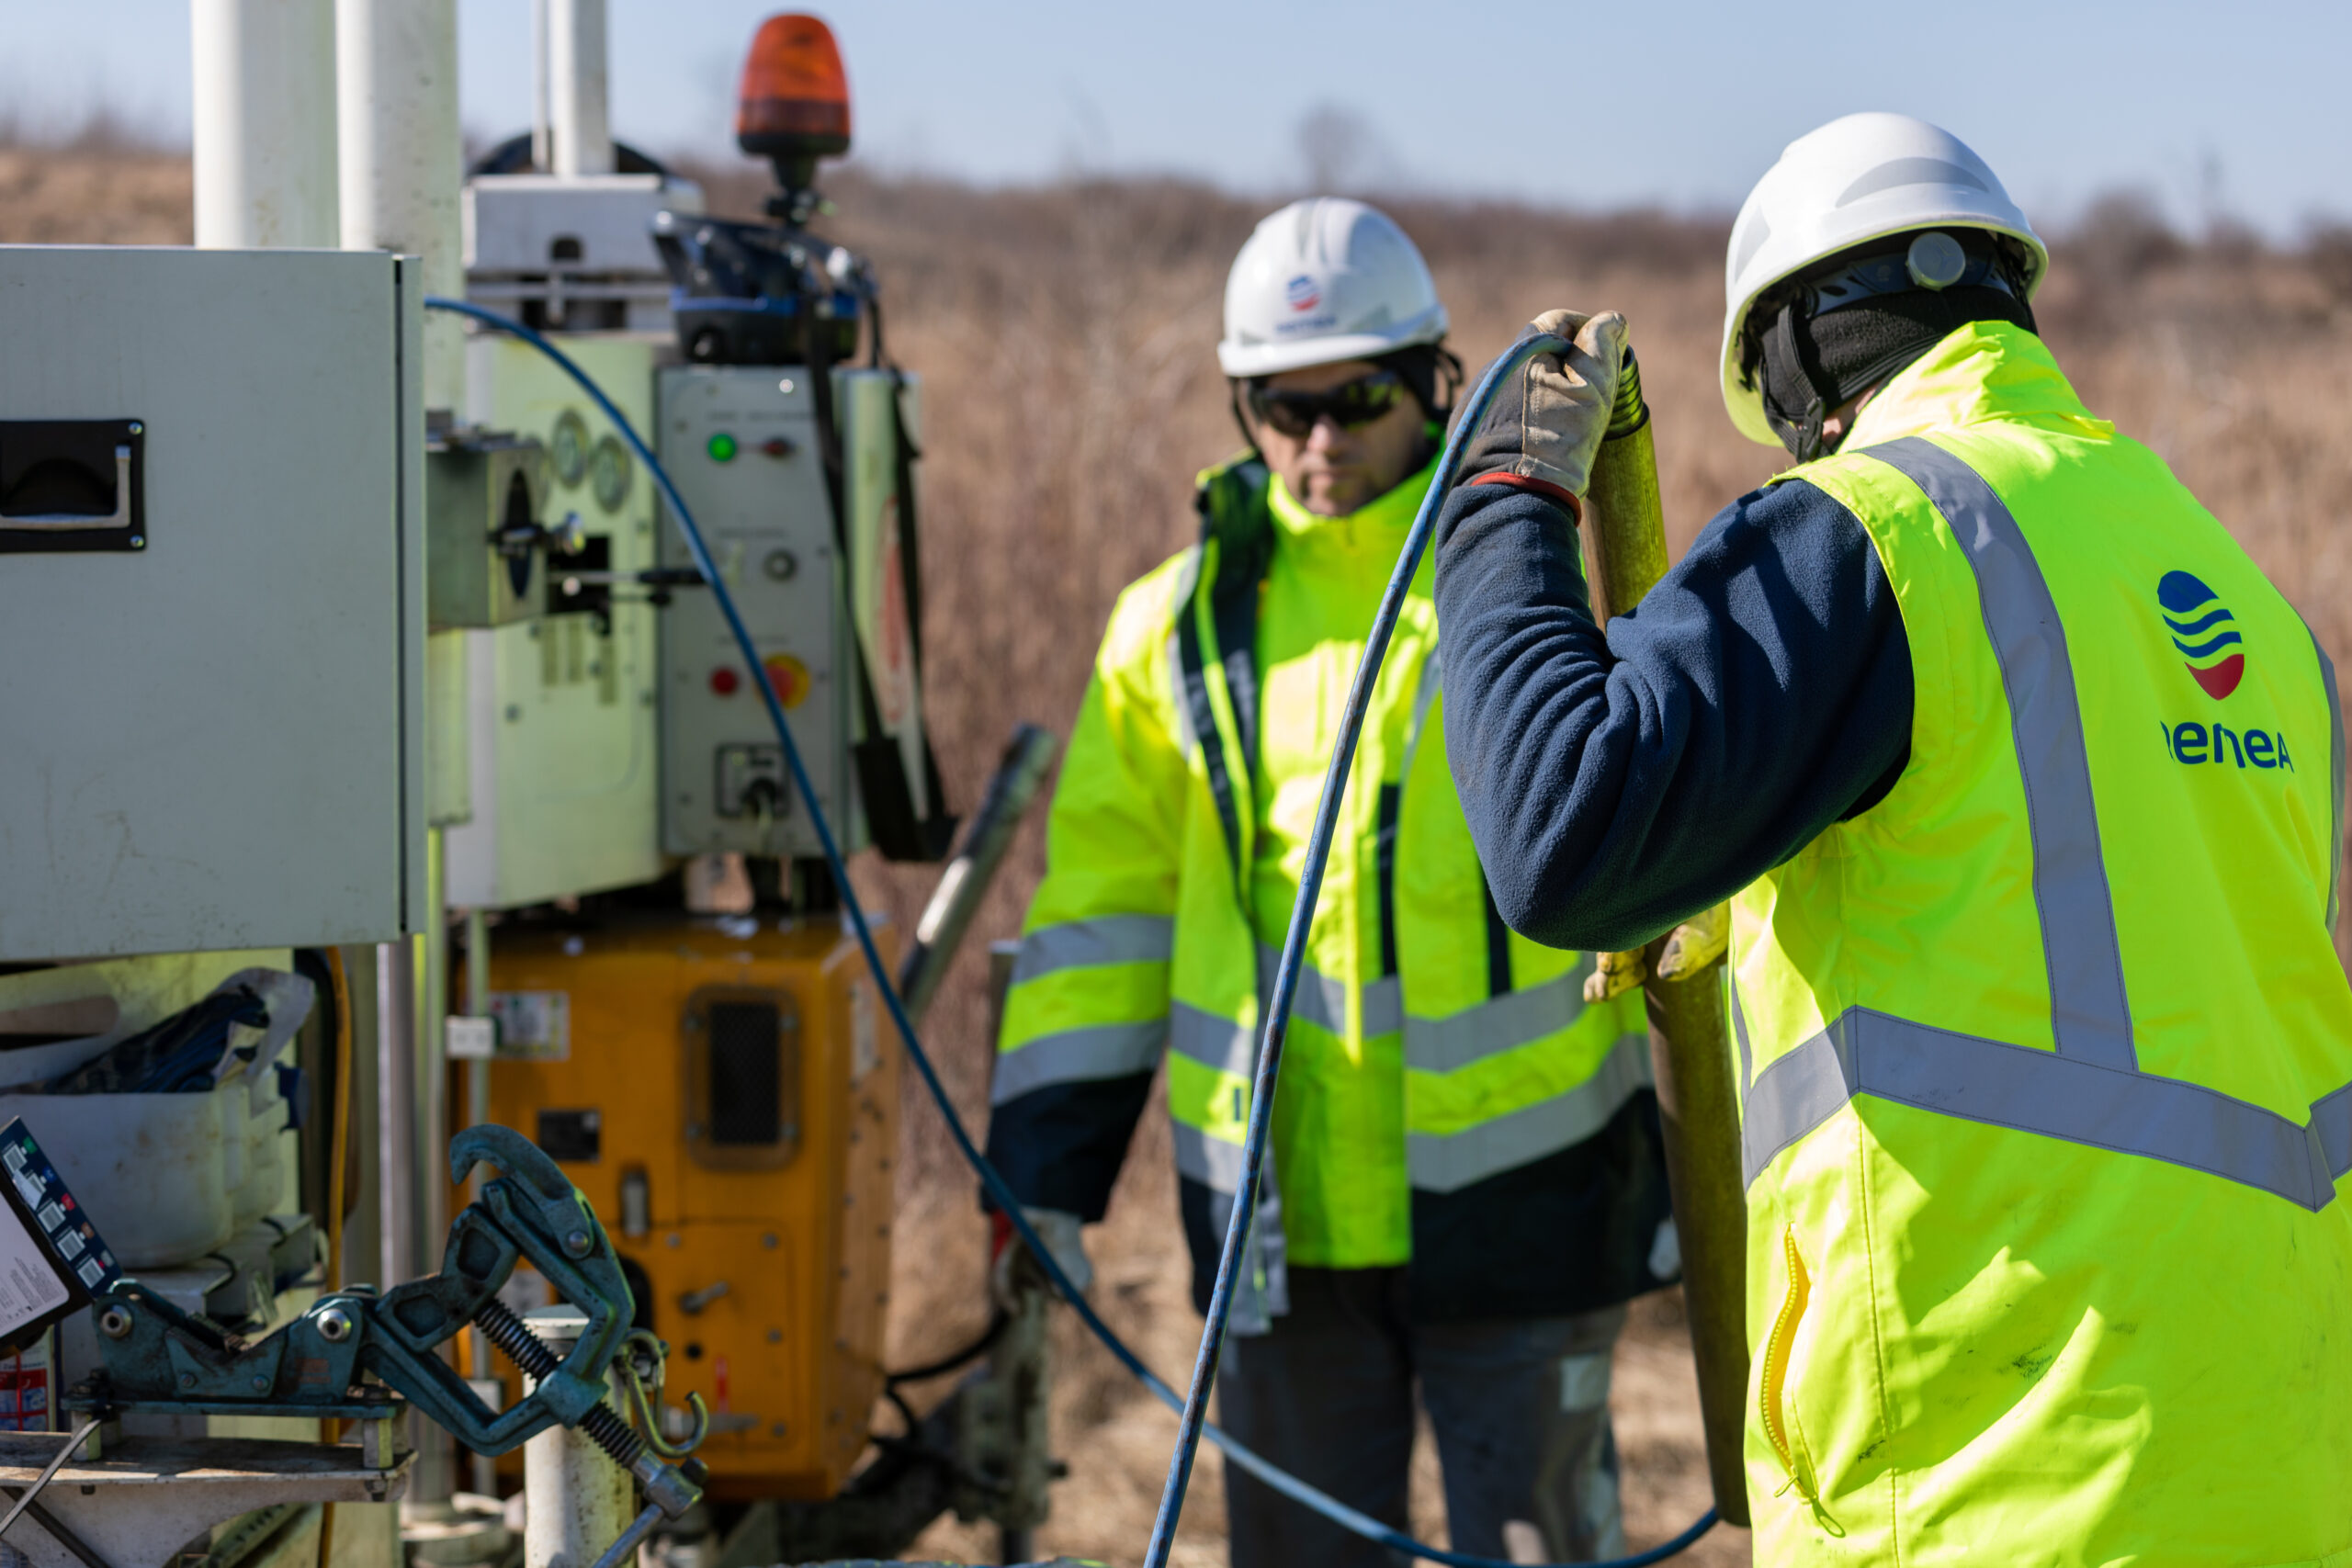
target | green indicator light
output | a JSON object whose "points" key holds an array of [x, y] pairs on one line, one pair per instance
{"points": [[722, 447]]}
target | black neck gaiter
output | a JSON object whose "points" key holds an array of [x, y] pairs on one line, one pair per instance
{"points": [[1815, 365]]}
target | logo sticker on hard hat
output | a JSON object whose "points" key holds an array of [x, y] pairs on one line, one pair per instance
{"points": [[2204, 631], [1302, 293]]}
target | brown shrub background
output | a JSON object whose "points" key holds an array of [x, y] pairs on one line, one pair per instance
{"points": [[1066, 337]]}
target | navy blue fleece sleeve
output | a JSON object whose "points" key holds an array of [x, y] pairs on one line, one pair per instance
{"points": [[1618, 784]]}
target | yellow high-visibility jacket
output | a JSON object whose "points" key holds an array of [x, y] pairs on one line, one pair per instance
{"points": [[2047, 1056], [1448, 1099]]}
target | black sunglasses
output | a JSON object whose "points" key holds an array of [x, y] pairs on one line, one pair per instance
{"points": [[1349, 405]]}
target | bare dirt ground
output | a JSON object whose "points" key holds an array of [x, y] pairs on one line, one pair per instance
{"points": [[1066, 337]]}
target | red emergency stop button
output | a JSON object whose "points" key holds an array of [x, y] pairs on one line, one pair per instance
{"points": [[789, 677]]}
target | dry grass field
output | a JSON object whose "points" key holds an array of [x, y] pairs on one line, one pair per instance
{"points": [[1066, 334]]}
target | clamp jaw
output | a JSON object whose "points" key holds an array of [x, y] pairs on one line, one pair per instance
{"points": [[159, 1358]]}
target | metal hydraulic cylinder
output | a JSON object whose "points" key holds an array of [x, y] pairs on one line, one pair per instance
{"points": [[579, 1501]]}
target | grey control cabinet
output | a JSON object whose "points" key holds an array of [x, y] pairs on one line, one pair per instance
{"points": [[211, 600], [741, 442]]}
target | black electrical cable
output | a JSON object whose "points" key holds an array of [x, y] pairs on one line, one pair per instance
{"points": [[998, 1322]]}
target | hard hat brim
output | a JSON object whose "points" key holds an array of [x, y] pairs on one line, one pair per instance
{"points": [[1245, 361]]}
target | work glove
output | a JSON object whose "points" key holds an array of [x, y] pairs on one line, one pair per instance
{"points": [[1545, 426], [1690, 947], [1009, 1261], [1695, 943]]}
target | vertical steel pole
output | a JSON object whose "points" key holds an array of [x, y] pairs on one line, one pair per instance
{"points": [[579, 1500], [395, 69], [578, 114], [434, 1478], [413, 1188], [265, 112], [542, 129], [402, 158], [396, 1109]]}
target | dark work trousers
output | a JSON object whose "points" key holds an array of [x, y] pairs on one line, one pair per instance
{"points": [[1520, 1405]]}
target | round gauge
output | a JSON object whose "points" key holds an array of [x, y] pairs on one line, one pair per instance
{"points": [[608, 471], [569, 448]]}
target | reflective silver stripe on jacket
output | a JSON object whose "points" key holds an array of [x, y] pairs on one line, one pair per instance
{"points": [[2089, 1014], [1078, 1055], [1210, 1161], [1106, 939], [1431, 1044], [1498, 1024], [2128, 1111], [1322, 1001], [1223, 1045], [1217, 1044], [1449, 1162], [2090, 1089]]}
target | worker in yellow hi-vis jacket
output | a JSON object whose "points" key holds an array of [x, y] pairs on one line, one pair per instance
{"points": [[1466, 1182], [2030, 790]]}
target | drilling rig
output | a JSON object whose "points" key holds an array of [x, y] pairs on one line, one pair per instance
{"points": [[388, 778]]}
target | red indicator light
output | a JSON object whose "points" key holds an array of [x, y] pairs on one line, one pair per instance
{"points": [[777, 447], [724, 680]]}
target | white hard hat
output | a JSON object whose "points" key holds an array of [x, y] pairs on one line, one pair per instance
{"points": [[1325, 280], [1856, 179]]}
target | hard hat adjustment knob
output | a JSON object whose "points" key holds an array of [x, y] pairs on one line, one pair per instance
{"points": [[1935, 260]]}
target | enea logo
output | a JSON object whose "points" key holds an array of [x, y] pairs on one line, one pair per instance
{"points": [[2204, 631], [1303, 294]]}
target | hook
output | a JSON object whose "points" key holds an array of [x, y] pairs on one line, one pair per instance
{"points": [[647, 1407]]}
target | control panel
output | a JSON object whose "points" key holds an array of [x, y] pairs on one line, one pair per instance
{"points": [[560, 707], [742, 443]]}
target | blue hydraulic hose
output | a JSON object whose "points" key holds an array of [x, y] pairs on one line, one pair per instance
{"points": [[1191, 1408]]}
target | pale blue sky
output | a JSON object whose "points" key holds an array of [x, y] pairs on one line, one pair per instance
{"points": [[1674, 105]]}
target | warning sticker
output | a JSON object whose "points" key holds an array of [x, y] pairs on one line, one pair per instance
{"points": [[534, 1026], [30, 1287]]}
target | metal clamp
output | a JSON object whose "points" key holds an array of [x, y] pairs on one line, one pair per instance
{"points": [[159, 1358]]}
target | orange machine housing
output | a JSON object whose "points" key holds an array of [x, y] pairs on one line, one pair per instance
{"points": [[726, 1094]]}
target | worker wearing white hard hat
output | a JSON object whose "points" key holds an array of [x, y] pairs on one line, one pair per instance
{"points": [[2028, 790], [1465, 1179]]}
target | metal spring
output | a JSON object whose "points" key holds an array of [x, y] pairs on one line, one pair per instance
{"points": [[527, 1350]]}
